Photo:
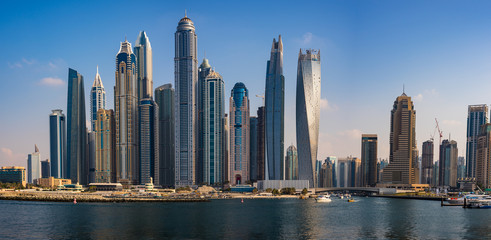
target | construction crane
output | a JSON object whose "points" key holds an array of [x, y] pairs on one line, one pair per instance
{"points": [[261, 96], [439, 131]]}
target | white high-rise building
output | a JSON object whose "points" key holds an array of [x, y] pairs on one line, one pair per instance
{"points": [[97, 98]]}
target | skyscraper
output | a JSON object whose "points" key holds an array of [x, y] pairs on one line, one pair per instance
{"points": [[97, 98], [225, 148], [308, 112], [164, 97], [253, 148], [477, 116], [275, 112], [291, 163], [57, 144], [427, 162], [45, 169], [261, 145], [148, 112], [144, 63], [403, 159], [77, 162], [125, 114], [483, 156], [203, 71], [368, 160], [448, 163], [105, 144], [186, 76], [239, 134], [33, 165]]}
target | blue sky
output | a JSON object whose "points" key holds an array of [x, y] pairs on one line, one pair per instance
{"points": [[440, 50]]}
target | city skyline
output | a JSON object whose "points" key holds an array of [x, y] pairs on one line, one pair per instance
{"points": [[332, 131]]}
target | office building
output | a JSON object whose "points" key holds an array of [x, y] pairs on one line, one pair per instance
{"points": [[291, 163], [253, 148], [164, 97], [427, 162], [126, 116], [461, 173], [476, 117], [148, 114], [483, 156], [186, 77], [97, 98], [403, 158], [105, 146], [77, 160], [368, 160], [275, 112], [13, 175], [448, 163], [239, 135], [45, 169], [308, 112], [57, 144], [33, 165], [326, 174], [261, 145], [226, 148], [144, 64]]}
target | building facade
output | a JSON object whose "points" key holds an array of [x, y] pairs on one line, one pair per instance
{"points": [[126, 117], [253, 148], [144, 63], [148, 112], [275, 112], [369, 160], [164, 97], [261, 144], [483, 156], [13, 175], [239, 135], [105, 146], [403, 158], [45, 169], [308, 112], [448, 163], [476, 117], [97, 98], [427, 162], [77, 161], [33, 165], [186, 76], [291, 163]]}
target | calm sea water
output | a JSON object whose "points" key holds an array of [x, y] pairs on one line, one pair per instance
{"points": [[253, 219]]}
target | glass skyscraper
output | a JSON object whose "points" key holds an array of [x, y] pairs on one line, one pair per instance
{"points": [[291, 163], [57, 144], [33, 165], [308, 113], [477, 116], [77, 161], [105, 143], [368, 160], [143, 52], [125, 113], [275, 112], [239, 135], [97, 98], [427, 162], [253, 148], [149, 141], [186, 76], [164, 97], [448, 163]]}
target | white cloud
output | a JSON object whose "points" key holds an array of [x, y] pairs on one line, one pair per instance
{"points": [[307, 38], [325, 105], [418, 98], [351, 133], [50, 81], [32, 61], [14, 65], [9, 158], [451, 122]]}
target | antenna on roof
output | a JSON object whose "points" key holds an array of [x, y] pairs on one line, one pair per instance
{"points": [[403, 90], [185, 13]]}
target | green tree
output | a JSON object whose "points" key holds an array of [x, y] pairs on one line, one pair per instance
{"points": [[254, 190], [275, 192], [305, 191], [269, 190]]}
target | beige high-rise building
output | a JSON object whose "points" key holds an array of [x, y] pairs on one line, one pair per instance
{"points": [[105, 143], [403, 161], [483, 156]]}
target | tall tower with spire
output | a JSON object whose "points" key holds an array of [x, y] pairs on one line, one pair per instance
{"points": [[275, 112], [97, 98], [186, 77], [143, 52], [125, 108]]}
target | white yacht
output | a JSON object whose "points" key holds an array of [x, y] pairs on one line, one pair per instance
{"points": [[323, 198]]}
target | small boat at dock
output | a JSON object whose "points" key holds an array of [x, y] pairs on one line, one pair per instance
{"points": [[323, 198]]}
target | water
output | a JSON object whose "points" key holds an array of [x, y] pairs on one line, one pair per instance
{"points": [[253, 219]]}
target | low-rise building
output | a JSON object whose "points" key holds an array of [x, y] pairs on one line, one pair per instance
{"points": [[279, 184], [13, 175], [52, 182], [106, 186]]}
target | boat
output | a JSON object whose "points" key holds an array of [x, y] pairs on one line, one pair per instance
{"points": [[479, 203], [469, 197], [351, 200], [323, 198]]}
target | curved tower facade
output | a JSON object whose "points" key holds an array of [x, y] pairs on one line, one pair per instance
{"points": [[275, 112], [186, 76], [308, 112], [125, 106], [143, 52], [97, 98], [291, 163], [239, 135]]}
